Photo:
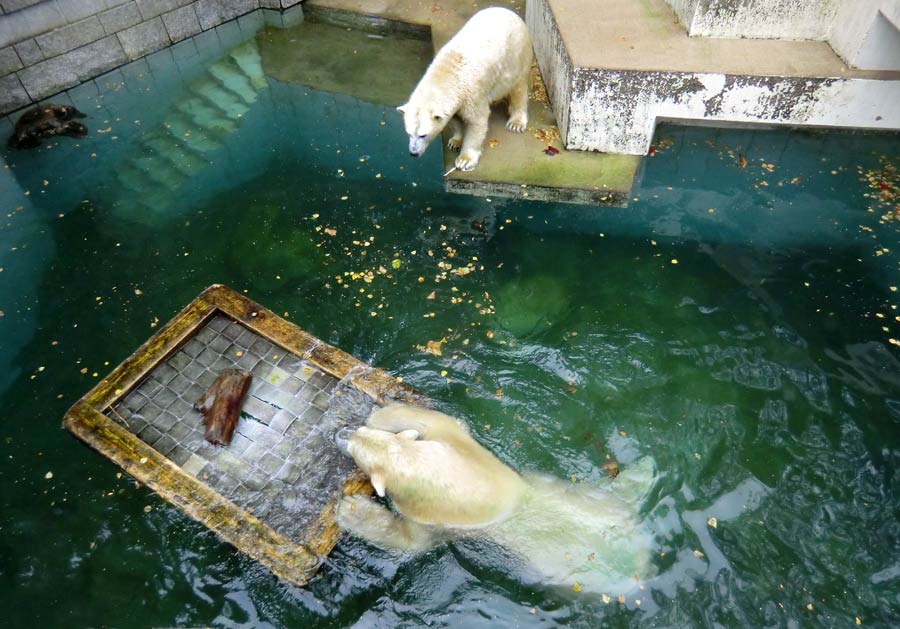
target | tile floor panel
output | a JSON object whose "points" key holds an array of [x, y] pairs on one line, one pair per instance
{"points": [[282, 464]]}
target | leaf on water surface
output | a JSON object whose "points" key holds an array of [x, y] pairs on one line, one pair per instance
{"points": [[713, 522]]}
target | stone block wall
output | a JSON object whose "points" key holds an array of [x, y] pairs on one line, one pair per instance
{"points": [[47, 46]]}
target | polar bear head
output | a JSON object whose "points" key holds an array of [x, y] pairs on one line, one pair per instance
{"points": [[423, 124], [377, 452]]}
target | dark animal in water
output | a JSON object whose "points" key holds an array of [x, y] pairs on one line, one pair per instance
{"points": [[46, 121], [221, 405]]}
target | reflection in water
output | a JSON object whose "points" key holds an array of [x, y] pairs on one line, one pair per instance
{"points": [[733, 322]]}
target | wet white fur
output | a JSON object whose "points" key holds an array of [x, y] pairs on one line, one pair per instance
{"points": [[445, 485], [487, 60]]}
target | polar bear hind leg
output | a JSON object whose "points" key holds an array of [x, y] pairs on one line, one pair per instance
{"points": [[365, 518], [518, 106]]}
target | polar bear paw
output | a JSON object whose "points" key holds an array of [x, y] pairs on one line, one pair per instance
{"points": [[517, 124], [468, 160], [454, 144]]}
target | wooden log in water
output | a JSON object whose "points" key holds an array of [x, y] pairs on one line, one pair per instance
{"points": [[221, 405]]}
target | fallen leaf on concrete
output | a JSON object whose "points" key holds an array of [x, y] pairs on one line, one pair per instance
{"points": [[551, 151]]}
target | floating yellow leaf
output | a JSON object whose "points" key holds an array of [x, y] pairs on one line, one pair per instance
{"points": [[577, 587], [712, 522], [605, 598], [395, 263], [48, 475]]}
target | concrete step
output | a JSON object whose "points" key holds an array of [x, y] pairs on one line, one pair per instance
{"points": [[246, 56], [219, 97], [232, 78], [205, 116], [178, 155], [132, 179], [183, 129], [161, 171]]}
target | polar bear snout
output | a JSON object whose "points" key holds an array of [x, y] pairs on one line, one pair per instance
{"points": [[341, 438], [418, 144]]}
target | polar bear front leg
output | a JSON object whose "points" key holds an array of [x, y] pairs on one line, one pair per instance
{"points": [[518, 106], [456, 126], [367, 519], [476, 131]]}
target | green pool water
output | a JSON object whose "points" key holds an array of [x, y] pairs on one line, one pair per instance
{"points": [[734, 322]]}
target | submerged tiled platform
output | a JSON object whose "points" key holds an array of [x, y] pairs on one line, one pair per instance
{"points": [[281, 465], [272, 492]]}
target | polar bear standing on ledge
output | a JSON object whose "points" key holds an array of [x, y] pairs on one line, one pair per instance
{"points": [[446, 485], [487, 60]]}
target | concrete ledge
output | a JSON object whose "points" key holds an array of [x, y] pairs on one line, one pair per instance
{"points": [[617, 67]]}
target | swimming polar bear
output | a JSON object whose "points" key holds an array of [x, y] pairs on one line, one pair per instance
{"points": [[445, 485], [487, 60]]}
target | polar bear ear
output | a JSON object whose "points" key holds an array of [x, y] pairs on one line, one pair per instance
{"points": [[410, 434], [377, 481], [402, 109]]}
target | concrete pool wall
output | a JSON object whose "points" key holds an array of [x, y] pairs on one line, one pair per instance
{"points": [[47, 46]]}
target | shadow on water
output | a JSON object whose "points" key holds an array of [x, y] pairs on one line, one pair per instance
{"points": [[734, 322]]}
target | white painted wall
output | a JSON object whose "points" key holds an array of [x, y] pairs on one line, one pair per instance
{"points": [[600, 119], [863, 32], [763, 19]]}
